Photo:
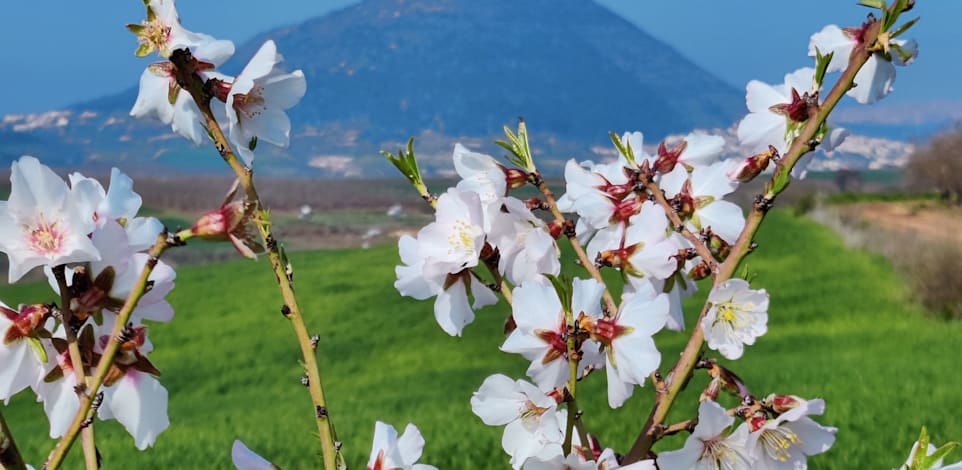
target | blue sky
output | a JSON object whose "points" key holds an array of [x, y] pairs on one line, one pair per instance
{"points": [[61, 52]]}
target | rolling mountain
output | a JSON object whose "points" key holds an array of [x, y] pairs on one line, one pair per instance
{"points": [[441, 70]]}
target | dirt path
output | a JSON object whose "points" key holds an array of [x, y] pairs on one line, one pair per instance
{"points": [[926, 218]]}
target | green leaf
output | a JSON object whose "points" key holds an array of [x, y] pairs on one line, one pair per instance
{"points": [[891, 16], [880, 4], [38, 348], [821, 66], [562, 286], [518, 145], [905, 27], [939, 454], [624, 148], [918, 460]]}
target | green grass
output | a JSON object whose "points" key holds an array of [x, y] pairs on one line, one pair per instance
{"points": [[841, 328], [847, 198]]}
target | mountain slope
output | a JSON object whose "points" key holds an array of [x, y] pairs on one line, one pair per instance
{"points": [[383, 70]]}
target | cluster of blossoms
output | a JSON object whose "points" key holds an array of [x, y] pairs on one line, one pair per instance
{"points": [[254, 101], [90, 241], [661, 221]]}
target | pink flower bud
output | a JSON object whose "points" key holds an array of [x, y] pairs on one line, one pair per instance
{"points": [[783, 403], [753, 166]]}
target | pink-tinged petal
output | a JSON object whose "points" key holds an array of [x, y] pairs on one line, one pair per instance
{"points": [[86, 195], [246, 459], [618, 391], [139, 402], [451, 309]]}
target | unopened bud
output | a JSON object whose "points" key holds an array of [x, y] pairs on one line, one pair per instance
{"points": [[217, 224], [700, 271], [719, 248], [515, 178], [668, 158], [757, 422], [25, 322], [753, 165], [783, 403]]}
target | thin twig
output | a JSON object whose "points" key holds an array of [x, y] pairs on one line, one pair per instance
{"points": [[107, 358]]}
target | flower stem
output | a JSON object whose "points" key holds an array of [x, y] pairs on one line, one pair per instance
{"points": [[76, 359], [106, 360], [194, 84], [743, 246], [677, 224], [571, 344], [610, 306], [10, 457]]}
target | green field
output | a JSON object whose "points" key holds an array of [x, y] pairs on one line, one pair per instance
{"points": [[841, 328]]}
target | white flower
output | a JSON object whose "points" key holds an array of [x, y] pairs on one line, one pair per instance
{"points": [[775, 111], [707, 448], [108, 282], [631, 353], [139, 402], [438, 262], [162, 32], [594, 192], [697, 149], [700, 196], [246, 459], [784, 442], [526, 247], [42, 223], [390, 452], [117, 203], [20, 349], [483, 175], [541, 329], [532, 427], [874, 80], [737, 316], [257, 100]]}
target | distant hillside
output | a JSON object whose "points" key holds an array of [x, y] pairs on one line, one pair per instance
{"points": [[444, 70]]}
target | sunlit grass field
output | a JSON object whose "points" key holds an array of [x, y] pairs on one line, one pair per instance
{"points": [[840, 328]]}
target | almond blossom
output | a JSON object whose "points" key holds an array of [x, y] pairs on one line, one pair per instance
{"points": [[163, 33], [21, 353], [42, 223], [542, 329], [390, 452], [594, 192], [783, 443], [257, 100], [707, 447], [526, 247], [530, 416], [699, 197], [117, 203], [439, 261], [697, 149], [737, 316], [630, 351], [874, 80]]}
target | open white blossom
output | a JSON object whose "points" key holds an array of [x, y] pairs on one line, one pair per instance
{"points": [[390, 452], [784, 443], [707, 448], [42, 223], [737, 316], [257, 100], [246, 459], [525, 245], [874, 80]]}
